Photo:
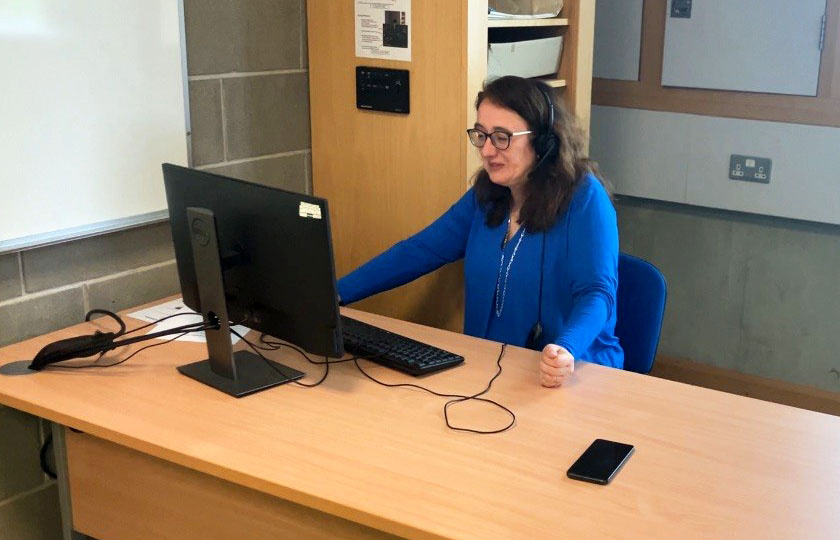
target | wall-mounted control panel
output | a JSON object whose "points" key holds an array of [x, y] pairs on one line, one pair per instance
{"points": [[750, 168], [380, 89]]}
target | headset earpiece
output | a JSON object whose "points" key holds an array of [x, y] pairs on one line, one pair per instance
{"points": [[546, 143]]}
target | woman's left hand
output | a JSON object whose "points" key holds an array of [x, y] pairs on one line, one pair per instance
{"points": [[556, 366]]}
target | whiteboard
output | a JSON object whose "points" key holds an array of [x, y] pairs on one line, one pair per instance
{"points": [[93, 102], [747, 45]]}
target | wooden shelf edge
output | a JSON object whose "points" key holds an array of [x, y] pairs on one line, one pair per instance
{"points": [[524, 23]]}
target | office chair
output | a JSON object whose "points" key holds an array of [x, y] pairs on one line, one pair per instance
{"points": [[641, 308]]}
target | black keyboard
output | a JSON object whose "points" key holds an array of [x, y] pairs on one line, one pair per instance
{"points": [[394, 350]]}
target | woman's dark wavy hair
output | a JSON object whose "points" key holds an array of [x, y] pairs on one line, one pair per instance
{"points": [[551, 185]]}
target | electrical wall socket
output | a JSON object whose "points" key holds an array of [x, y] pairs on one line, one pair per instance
{"points": [[681, 9], [750, 168]]}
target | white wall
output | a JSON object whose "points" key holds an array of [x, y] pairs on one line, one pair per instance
{"points": [[685, 158]]}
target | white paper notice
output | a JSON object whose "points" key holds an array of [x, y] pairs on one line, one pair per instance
{"points": [[175, 307], [383, 29]]}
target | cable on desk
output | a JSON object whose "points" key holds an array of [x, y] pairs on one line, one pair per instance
{"points": [[456, 398], [275, 345]]}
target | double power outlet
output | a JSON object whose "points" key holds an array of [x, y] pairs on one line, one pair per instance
{"points": [[750, 168]]}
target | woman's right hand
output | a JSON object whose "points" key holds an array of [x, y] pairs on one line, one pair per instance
{"points": [[556, 366]]}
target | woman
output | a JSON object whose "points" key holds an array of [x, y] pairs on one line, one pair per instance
{"points": [[537, 232]]}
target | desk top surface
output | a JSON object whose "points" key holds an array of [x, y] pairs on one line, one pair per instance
{"points": [[706, 463]]}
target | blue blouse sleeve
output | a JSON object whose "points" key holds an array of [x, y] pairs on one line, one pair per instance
{"points": [[442, 242], [592, 266]]}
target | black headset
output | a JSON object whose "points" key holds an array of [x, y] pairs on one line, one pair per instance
{"points": [[547, 145]]}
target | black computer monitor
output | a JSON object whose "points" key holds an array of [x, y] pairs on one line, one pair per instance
{"points": [[254, 255]]}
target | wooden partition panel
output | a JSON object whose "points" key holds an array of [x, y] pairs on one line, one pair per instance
{"points": [[576, 62], [388, 175]]}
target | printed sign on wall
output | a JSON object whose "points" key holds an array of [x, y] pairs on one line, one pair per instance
{"points": [[383, 29]]}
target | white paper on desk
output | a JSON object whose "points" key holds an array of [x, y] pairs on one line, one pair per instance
{"points": [[175, 307]]}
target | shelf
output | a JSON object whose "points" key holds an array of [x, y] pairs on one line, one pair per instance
{"points": [[525, 23], [552, 82]]}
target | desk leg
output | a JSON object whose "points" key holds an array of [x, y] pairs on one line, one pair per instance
{"points": [[60, 449]]}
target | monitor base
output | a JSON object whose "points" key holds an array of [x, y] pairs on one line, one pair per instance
{"points": [[253, 374]]}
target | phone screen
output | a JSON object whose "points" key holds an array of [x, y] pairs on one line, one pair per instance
{"points": [[600, 461]]}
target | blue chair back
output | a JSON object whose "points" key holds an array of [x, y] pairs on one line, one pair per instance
{"points": [[641, 308]]}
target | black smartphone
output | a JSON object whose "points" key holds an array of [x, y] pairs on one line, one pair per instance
{"points": [[600, 462]]}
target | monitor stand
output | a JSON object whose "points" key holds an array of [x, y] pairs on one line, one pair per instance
{"points": [[235, 373]]}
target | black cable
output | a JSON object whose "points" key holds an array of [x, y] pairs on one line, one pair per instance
{"points": [[44, 465], [157, 321], [103, 343], [277, 345], [476, 397], [459, 398], [95, 363]]}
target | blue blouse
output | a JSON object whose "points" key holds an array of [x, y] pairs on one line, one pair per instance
{"points": [[579, 274]]}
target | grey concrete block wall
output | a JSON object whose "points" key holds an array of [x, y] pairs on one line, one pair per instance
{"points": [[256, 125], [36, 314], [285, 172], [264, 115], [71, 262], [751, 293], [130, 289], [233, 36], [206, 122], [10, 281]]}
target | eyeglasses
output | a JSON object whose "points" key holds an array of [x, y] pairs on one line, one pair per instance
{"points": [[499, 139]]}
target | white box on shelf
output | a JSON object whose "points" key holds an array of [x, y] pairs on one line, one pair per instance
{"points": [[531, 58]]}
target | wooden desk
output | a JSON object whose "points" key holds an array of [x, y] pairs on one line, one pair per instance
{"points": [[163, 456]]}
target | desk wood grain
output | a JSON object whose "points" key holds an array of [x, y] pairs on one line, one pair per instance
{"points": [[707, 464]]}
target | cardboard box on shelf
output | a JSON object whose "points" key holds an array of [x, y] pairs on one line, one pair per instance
{"points": [[532, 58]]}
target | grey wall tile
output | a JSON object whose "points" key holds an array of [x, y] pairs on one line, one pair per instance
{"points": [[230, 35], [71, 262], [34, 315], [9, 276], [20, 442], [133, 289], [286, 172], [790, 328], [266, 114], [34, 517], [309, 188], [704, 296], [304, 36], [206, 122]]}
